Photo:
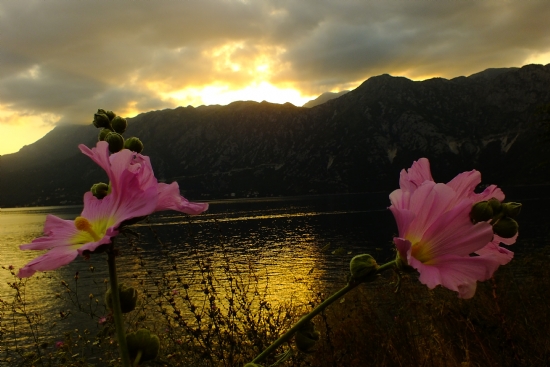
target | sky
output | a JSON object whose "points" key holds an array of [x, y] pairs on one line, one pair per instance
{"points": [[61, 60]]}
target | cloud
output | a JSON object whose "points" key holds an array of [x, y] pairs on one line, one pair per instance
{"points": [[61, 60]]}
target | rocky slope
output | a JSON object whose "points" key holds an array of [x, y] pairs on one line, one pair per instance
{"points": [[357, 142]]}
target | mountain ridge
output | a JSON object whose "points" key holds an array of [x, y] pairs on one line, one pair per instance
{"points": [[355, 143]]}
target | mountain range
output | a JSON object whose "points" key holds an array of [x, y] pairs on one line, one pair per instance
{"points": [[494, 121]]}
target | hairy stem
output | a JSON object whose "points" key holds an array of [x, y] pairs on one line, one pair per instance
{"points": [[117, 313], [304, 320]]}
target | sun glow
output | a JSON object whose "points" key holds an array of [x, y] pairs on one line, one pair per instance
{"points": [[19, 130], [222, 94], [538, 58]]}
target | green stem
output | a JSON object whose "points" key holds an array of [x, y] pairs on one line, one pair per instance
{"points": [[117, 313], [138, 357], [286, 336]]}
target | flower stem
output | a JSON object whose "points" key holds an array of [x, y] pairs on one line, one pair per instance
{"points": [[138, 357], [117, 313], [286, 336]]}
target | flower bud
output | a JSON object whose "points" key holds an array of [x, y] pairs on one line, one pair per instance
{"points": [[363, 268], [110, 114], [119, 124], [481, 212], [100, 190], [506, 227], [511, 209], [128, 298], [101, 119], [134, 144], [495, 205], [103, 133], [142, 340], [116, 142], [306, 337]]}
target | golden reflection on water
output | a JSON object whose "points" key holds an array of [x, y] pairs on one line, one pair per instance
{"points": [[280, 251]]}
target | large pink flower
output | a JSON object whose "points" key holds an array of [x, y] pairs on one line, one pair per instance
{"points": [[135, 192], [436, 235]]}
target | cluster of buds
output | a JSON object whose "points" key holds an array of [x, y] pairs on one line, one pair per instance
{"points": [[112, 127], [500, 215]]}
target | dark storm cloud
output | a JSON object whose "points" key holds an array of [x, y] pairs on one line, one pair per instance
{"points": [[419, 38], [67, 58]]}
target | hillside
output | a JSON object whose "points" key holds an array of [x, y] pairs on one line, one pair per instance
{"points": [[357, 142]]}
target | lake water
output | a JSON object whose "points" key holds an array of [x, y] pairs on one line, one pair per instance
{"points": [[296, 244]]}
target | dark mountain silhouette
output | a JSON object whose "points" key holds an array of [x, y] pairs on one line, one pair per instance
{"points": [[325, 97], [355, 143]]}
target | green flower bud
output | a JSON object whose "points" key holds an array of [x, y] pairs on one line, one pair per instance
{"points": [[101, 120], [128, 298], [145, 342], [506, 227], [481, 212], [116, 142], [363, 268], [100, 190], [119, 124], [103, 133], [511, 209], [495, 205], [306, 337], [110, 114], [134, 144]]}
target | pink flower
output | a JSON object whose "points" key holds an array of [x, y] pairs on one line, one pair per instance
{"points": [[436, 235], [135, 193], [139, 168], [59, 344]]}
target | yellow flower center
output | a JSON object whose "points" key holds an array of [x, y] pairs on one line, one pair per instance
{"points": [[422, 253], [82, 224]]}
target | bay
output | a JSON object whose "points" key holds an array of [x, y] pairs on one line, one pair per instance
{"points": [[297, 245]]}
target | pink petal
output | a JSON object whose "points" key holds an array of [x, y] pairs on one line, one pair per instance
{"points": [[502, 255], [119, 173], [403, 218], [58, 232], [490, 192], [428, 202], [92, 246], [400, 199], [457, 273], [170, 199], [454, 234], [403, 247], [465, 183], [51, 260], [416, 175], [99, 154], [131, 203], [506, 241]]}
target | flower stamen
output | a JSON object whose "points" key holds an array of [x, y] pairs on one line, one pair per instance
{"points": [[82, 224]]}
